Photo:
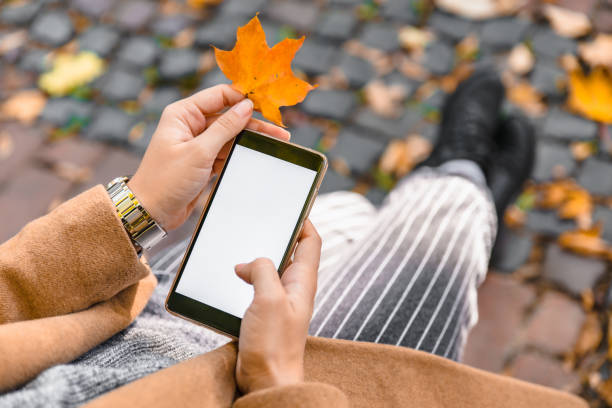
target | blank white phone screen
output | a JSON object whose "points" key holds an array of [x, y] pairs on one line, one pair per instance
{"points": [[253, 214]]}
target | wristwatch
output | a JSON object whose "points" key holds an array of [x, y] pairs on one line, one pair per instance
{"points": [[140, 226]]}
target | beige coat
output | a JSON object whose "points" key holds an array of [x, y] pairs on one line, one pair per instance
{"points": [[71, 279]]}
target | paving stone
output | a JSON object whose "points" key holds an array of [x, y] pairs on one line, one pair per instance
{"points": [[213, 78], [376, 196], [76, 151], [315, 57], [604, 215], [357, 150], [552, 159], [93, 8], [435, 100], [60, 111], [349, 3], [99, 39], [549, 80], [334, 181], [429, 131], [169, 26], [450, 26], [333, 104], [246, 8], [121, 84], [602, 20], [439, 58], [573, 273], [115, 162], [380, 36], [220, 32], [356, 70], [337, 24], [502, 302], [596, 176], [404, 11], [35, 61], [52, 28], [306, 135], [298, 14], [134, 15], [110, 125], [397, 78], [138, 52], [178, 63], [503, 33], [547, 223], [544, 370], [565, 126], [389, 128], [26, 197], [548, 44], [545, 330], [512, 249], [19, 13], [25, 141], [162, 97]]}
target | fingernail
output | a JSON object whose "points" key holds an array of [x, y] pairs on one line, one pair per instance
{"points": [[243, 108]]}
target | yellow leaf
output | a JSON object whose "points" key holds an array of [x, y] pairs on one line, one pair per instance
{"points": [[71, 71], [592, 95], [261, 73], [203, 3], [584, 242]]}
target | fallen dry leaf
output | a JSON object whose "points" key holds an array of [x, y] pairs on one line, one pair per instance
{"points": [[567, 23], [590, 336], [414, 39], [582, 150], [384, 99], [553, 195], [468, 48], [591, 95], [480, 9], [527, 98], [598, 51], [13, 41], [401, 156], [514, 217], [6, 145], [521, 59], [24, 106], [584, 242], [70, 71], [578, 203], [261, 73], [198, 4]]}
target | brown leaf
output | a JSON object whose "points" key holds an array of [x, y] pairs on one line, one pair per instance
{"points": [[553, 195], [598, 51], [582, 150], [567, 23], [385, 100], [414, 39], [514, 217], [577, 203], [521, 59], [590, 336], [402, 155], [584, 242], [12, 41], [527, 98], [24, 106]]}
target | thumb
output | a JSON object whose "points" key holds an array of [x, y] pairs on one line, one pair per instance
{"points": [[262, 274], [227, 126]]}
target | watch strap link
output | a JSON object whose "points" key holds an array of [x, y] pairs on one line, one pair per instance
{"points": [[140, 226]]}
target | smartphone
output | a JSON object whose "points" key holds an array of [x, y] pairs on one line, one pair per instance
{"points": [[256, 209]]}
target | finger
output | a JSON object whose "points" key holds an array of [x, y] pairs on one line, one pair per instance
{"points": [[193, 109], [262, 274], [300, 279], [225, 128], [261, 126]]}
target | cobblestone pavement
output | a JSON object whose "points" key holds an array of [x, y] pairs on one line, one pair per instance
{"points": [[543, 310]]}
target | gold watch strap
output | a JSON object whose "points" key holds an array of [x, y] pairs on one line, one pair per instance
{"points": [[140, 226]]}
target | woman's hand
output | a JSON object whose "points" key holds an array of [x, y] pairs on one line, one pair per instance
{"points": [[191, 142], [274, 328]]}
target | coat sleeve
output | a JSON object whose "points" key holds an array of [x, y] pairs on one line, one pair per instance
{"points": [[305, 395], [74, 257]]}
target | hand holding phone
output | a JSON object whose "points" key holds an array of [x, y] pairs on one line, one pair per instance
{"points": [[274, 328]]}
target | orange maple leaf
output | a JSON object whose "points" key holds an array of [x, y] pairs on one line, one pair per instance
{"points": [[591, 95], [261, 73]]}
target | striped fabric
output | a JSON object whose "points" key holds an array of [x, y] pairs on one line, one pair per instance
{"points": [[405, 274]]}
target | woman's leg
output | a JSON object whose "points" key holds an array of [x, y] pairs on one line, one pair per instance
{"points": [[411, 279]]}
